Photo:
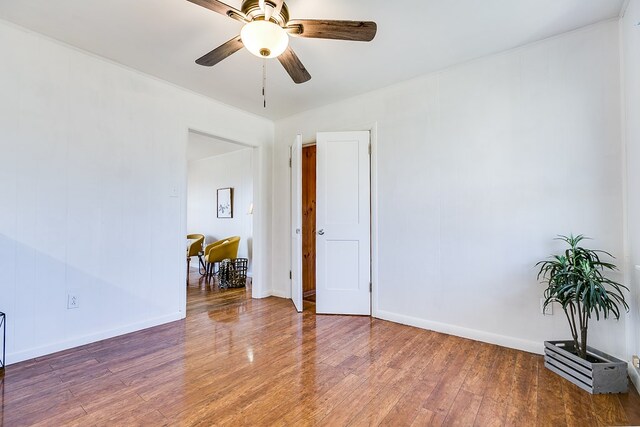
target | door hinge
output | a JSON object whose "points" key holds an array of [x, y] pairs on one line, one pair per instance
{"points": [[289, 161], [369, 149], [370, 287], [290, 275]]}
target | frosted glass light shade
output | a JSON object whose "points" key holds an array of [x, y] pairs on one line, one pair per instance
{"points": [[264, 39]]}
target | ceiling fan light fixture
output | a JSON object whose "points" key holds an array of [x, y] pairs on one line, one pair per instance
{"points": [[264, 39]]}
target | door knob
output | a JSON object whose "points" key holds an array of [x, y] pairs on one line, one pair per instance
{"points": [[321, 232]]}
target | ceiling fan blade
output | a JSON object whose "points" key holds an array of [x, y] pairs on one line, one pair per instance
{"points": [[294, 67], [224, 9], [221, 52], [363, 31]]}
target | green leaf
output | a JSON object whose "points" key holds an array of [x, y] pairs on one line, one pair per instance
{"points": [[577, 275]]}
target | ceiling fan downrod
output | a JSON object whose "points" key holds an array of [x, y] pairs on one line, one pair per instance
{"points": [[269, 8]]}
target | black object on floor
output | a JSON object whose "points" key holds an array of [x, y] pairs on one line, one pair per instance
{"points": [[233, 273]]}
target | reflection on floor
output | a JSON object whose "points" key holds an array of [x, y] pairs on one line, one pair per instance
{"points": [[259, 362], [205, 295], [309, 306], [309, 302]]}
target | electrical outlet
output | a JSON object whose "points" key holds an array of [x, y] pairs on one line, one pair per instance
{"points": [[548, 310], [72, 301], [636, 362]]}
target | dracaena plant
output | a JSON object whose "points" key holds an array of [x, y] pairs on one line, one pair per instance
{"points": [[576, 280]]}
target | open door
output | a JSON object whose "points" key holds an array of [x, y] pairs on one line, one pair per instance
{"points": [[343, 221], [296, 223]]}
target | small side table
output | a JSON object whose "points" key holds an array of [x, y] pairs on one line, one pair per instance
{"points": [[3, 325]]}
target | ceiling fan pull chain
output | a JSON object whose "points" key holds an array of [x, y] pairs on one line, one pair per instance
{"points": [[264, 82]]}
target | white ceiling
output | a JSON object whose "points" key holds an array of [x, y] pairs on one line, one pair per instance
{"points": [[164, 37], [201, 146]]}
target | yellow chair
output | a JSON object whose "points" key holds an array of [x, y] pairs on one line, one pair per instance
{"points": [[222, 249], [195, 249]]}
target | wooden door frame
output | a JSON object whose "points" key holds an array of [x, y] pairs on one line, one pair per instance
{"points": [[372, 128]]}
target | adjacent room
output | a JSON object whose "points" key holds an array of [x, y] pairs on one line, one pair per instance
{"points": [[414, 213], [219, 223]]}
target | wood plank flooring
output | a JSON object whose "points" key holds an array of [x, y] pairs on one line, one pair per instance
{"points": [[204, 295], [237, 361]]}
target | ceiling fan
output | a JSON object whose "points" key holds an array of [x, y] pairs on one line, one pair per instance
{"points": [[267, 28]]}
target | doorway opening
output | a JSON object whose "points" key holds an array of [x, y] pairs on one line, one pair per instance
{"points": [[332, 258], [219, 219], [309, 226]]}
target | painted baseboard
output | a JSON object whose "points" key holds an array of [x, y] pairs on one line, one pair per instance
{"points": [[280, 294], [91, 338], [634, 374], [271, 293], [459, 331], [264, 294]]}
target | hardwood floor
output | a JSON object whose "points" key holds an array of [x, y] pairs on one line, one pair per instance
{"points": [[204, 295], [310, 297], [258, 362]]}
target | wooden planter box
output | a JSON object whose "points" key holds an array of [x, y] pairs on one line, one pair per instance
{"points": [[608, 375]]}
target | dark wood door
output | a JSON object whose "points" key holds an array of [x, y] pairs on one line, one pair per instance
{"points": [[309, 221]]}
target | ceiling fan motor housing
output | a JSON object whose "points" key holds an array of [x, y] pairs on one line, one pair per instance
{"points": [[252, 9]]}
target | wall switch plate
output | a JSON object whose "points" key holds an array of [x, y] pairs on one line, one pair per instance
{"points": [[72, 301], [547, 311], [636, 362]]}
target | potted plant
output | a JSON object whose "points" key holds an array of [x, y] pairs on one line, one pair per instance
{"points": [[576, 280]]}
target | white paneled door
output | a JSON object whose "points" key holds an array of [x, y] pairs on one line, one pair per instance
{"points": [[343, 221], [296, 223]]}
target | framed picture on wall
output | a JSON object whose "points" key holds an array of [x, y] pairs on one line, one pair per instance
{"points": [[225, 202]]}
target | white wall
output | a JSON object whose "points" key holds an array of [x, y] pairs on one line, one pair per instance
{"points": [[205, 177], [478, 168], [630, 34], [92, 192]]}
